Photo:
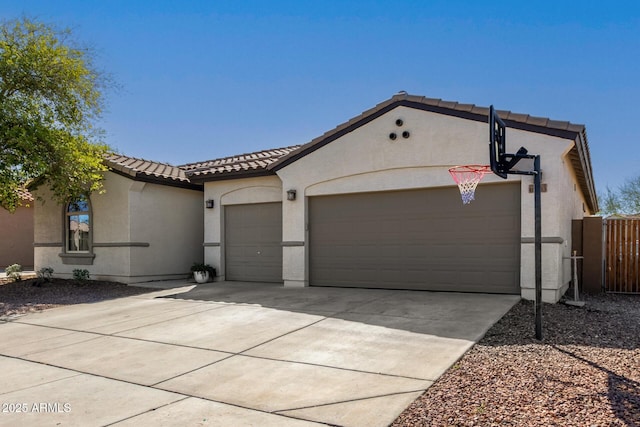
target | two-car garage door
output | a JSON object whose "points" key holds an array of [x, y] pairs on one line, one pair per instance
{"points": [[418, 239]]}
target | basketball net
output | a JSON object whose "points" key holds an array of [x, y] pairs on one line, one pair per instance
{"points": [[467, 177]]}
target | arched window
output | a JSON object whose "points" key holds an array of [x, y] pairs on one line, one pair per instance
{"points": [[78, 225]]}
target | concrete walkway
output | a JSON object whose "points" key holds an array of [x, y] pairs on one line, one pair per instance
{"points": [[236, 354]]}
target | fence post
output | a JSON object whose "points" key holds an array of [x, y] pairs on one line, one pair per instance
{"points": [[577, 245], [593, 254]]}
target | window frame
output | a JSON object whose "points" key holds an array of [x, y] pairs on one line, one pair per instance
{"points": [[77, 257]]}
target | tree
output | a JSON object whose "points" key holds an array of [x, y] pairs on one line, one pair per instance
{"points": [[626, 200], [630, 195], [609, 202], [50, 99]]}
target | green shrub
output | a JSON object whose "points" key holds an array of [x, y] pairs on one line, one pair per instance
{"points": [[13, 271], [80, 274], [45, 273]]}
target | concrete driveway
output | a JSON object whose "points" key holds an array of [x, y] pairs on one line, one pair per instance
{"points": [[236, 354]]}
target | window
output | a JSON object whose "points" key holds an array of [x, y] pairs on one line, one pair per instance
{"points": [[78, 226], [78, 233]]}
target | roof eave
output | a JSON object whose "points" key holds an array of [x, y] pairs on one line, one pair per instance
{"points": [[143, 177], [222, 176], [590, 193]]}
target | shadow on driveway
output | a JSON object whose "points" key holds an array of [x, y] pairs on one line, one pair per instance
{"points": [[454, 315]]}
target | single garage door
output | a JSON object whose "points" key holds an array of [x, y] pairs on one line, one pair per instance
{"points": [[419, 239], [253, 236]]}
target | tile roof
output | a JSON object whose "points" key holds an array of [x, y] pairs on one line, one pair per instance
{"points": [[581, 159], [266, 162], [469, 111], [249, 164], [24, 194], [146, 170]]}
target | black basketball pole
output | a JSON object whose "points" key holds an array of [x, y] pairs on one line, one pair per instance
{"points": [[537, 179], [502, 164]]}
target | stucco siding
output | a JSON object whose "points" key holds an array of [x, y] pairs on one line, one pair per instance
{"points": [[170, 220], [366, 159], [575, 208], [557, 213], [47, 231], [47, 218], [111, 210], [140, 231], [16, 237], [109, 225], [264, 189]]}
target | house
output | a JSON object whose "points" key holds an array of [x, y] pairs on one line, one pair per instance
{"points": [[147, 225], [16, 233], [371, 204]]}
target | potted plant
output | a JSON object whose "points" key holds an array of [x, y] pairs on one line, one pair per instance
{"points": [[202, 272]]}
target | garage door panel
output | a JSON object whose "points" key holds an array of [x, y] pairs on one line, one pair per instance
{"points": [[424, 239], [469, 278], [253, 236], [503, 277], [503, 251]]}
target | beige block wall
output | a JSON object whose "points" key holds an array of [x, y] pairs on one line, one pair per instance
{"points": [[367, 160], [16, 236], [233, 192]]}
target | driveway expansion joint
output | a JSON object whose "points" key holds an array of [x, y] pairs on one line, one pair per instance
{"points": [[75, 374], [420, 390], [222, 402], [192, 370], [280, 336], [360, 371], [147, 411], [79, 372]]}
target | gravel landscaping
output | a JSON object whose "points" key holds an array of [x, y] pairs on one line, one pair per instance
{"points": [[585, 371], [27, 296]]}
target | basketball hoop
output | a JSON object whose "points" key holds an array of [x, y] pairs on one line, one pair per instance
{"points": [[467, 177]]}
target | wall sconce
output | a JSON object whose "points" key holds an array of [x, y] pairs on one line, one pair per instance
{"points": [[209, 204], [291, 194]]}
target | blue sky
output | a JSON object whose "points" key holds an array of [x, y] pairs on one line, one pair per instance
{"points": [[206, 79]]}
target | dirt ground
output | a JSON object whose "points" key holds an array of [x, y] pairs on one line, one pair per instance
{"points": [[26, 296]]}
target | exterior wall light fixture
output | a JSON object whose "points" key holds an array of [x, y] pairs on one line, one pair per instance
{"points": [[291, 194], [209, 204]]}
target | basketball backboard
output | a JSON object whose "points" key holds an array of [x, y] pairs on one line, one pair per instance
{"points": [[497, 144], [501, 162]]}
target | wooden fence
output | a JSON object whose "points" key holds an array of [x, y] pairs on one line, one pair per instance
{"points": [[622, 255]]}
